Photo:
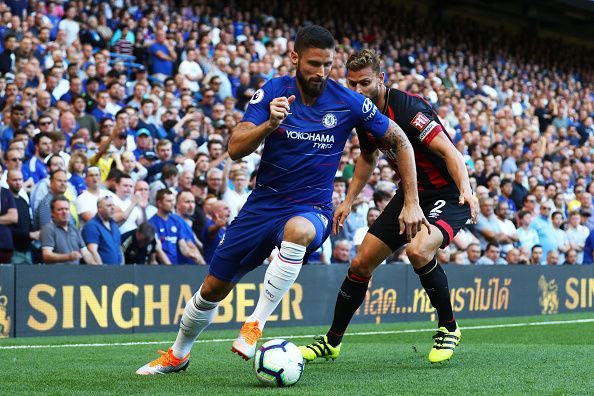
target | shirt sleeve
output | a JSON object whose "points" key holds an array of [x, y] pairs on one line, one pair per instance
{"points": [[367, 115], [258, 110], [90, 234], [424, 124], [365, 142], [82, 204], [81, 243], [47, 237], [8, 201]]}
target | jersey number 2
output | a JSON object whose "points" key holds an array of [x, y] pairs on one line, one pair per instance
{"points": [[436, 211]]}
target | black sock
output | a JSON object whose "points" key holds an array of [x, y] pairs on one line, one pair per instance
{"points": [[350, 297], [435, 282]]}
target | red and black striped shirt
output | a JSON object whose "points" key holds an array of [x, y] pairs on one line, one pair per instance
{"points": [[420, 124]]}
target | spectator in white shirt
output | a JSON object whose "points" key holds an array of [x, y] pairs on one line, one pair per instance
{"points": [[577, 234], [237, 196]]}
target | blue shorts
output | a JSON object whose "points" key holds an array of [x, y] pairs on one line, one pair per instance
{"points": [[251, 237]]}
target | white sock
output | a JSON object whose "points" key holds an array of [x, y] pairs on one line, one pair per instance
{"points": [[198, 314], [279, 278]]}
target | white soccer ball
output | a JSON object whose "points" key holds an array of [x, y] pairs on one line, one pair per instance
{"points": [[278, 363]]}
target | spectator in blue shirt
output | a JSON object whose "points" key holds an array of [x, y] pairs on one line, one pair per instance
{"points": [[102, 235], [168, 228], [163, 55]]}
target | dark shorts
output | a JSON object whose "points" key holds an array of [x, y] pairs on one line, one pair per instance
{"points": [[251, 237], [441, 209]]}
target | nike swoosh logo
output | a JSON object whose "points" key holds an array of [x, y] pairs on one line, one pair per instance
{"points": [[273, 285]]}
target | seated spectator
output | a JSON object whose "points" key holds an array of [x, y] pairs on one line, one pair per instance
{"points": [[102, 235], [553, 258], [473, 254], [341, 254], [61, 242], [139, 246], [381, 199], [577, 235], [536, 255], [492, 255], [458, 257], [185, 207], [571, 257], [372, 215], [514, 257], [169, 228], [527, 235]]}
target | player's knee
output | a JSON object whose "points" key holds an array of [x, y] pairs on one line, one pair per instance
{"points": [[300, 231], [361, 267], [418, 255]]}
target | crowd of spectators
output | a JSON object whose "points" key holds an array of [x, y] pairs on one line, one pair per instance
{"points": [[115, 117]]}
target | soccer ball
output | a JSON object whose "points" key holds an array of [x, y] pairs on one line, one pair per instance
{"points": [[278, 363]]}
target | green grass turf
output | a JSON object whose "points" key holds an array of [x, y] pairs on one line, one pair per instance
{"points": [[556, 359]]}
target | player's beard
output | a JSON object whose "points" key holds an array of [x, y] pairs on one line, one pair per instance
{"points": [[309, 89]]}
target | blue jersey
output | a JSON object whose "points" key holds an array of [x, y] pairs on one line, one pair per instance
{"points": [[169, 232], [301, 156]]}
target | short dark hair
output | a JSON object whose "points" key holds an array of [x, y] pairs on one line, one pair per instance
{"points": [[40, 135], [57, 199], [493, 244], [121, 176], [505, 181], [381, 195], [313, 36], [17, 107], [535, 247], [169, 170], [555, 213], [162, 192], [147, 230]]}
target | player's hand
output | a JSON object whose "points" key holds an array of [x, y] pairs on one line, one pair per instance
{"points": [[279, 110], [340, 215], [468, 198], [412, 220]]}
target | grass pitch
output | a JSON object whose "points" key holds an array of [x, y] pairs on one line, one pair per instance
{"points": [[525, 359]]}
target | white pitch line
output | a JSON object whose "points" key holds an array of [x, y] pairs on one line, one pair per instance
{"points": [[362, 333]]}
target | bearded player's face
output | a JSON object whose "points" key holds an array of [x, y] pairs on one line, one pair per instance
{"points": [[313, 69], [365, 81]]}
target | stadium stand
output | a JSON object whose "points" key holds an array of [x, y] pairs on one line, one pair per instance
{"points": [[136, 97]]}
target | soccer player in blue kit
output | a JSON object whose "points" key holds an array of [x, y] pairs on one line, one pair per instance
{"points": [[304, 122]]}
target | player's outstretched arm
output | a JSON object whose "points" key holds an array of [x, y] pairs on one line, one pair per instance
{"points": [[411, 217], [246, 136], [443, 147], [363, 169]]}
